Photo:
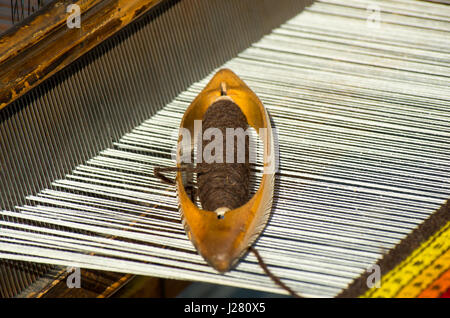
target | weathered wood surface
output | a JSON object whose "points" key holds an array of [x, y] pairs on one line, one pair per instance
{"points": [[102, 284], [43, 44]]}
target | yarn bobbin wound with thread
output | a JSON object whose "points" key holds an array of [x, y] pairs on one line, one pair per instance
{"points": [[223, 181], [223, 185], [229, 221]]}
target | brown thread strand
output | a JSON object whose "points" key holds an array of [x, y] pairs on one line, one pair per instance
{"points": [[158, 173], [274, 278], [159, 170]]}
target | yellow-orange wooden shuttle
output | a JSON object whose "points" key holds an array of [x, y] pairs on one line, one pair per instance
{"points": [[223, 241]]}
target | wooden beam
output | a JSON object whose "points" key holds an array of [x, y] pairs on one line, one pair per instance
{"points": [[102, 284], [93, 284], [43, 44]]}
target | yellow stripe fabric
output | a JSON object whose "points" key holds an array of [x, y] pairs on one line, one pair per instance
{"points": [[419, 270]]}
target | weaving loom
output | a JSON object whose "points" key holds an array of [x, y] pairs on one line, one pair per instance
{"points": [[358, 94]]}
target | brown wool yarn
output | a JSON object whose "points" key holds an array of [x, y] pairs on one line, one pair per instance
{"points": [[223, 184]]}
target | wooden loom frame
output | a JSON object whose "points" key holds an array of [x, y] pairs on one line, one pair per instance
{"points": [[42, 44]]}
